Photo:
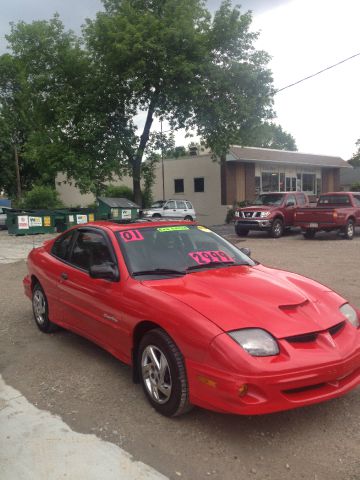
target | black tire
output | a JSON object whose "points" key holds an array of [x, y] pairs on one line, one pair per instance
{"points": [[188, 217], [349, 230], [277, 228], [156, 215], [309, 233], [41, 310], [241, 232], [175, 400]]}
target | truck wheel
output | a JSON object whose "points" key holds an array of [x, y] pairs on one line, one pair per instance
{"points": [[349, 230], [309, 233], [241, 232], [277, 228]]}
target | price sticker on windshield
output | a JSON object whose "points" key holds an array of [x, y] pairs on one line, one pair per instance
{"points": [[131, 236], [209, 256]]}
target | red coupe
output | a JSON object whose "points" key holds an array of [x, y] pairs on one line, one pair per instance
{"points": [[200, 322]]}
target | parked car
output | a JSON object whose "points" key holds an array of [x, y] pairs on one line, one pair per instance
{"points": [[334, 211], [3, 216], [182, 209], [199, 321], [271, 212]]}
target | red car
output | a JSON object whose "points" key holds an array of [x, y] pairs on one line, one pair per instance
{"points": [[200, 322]]}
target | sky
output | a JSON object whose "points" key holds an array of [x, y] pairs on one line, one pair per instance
{"points": [[302, 36]]}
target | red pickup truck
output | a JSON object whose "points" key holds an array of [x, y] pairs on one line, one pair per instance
{"points": [[272, 212], [334, 211]]}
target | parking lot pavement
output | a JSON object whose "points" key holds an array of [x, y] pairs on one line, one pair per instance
{"points": [[93, 393], [14, 248]]}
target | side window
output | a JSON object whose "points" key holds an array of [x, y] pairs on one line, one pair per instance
{"points": [[291, 198], [171, 204], [90, 248], [301, 199], [180, 204], [61, 247], [1, 210], [188, 205], [357, 200]]}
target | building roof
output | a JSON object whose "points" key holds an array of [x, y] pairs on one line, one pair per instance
{"points": [[252, 154], [118, 202], [348, 177]]}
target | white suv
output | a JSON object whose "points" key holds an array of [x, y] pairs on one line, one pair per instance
{"points": [[182, 209]]}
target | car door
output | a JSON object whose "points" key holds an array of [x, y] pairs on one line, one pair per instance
{"points": [[91, 306], [290, 208], [170, 209], [357, 205], [181, 208]]}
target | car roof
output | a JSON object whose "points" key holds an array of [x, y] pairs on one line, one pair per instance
{"points": [[118, 227]]}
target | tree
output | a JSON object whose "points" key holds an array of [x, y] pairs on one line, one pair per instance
{"points": [[270, 135], [355, 160], [172, 60]]}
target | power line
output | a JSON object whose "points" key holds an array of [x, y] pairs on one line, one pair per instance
{"points": [[318, 73]]}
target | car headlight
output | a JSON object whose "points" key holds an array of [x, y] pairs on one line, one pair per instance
{"points": [[350, 314], [264, 214], [256, 342]]}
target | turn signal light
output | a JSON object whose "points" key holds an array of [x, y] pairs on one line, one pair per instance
{"points": [[335, 215], [243, 390], [207, 381]]}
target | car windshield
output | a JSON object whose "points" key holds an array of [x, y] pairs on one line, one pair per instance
{"points": [[177, 250], [269, 199], [158, 204]]}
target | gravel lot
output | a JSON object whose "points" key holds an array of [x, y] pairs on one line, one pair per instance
{"points": [[94, 393]]}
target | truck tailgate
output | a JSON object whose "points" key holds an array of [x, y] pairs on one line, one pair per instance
{"points": [[314, 215]]}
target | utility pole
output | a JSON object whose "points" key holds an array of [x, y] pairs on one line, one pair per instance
{"points": [[162, 160]]}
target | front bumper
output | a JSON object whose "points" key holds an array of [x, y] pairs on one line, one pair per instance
{"points": [[254, 224], [222, 391]]}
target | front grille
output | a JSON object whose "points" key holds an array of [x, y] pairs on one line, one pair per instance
{"points": [[250, 214], [312, 336]]}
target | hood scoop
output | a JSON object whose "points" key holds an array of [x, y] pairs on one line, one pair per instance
{"points": [[289, 309]]}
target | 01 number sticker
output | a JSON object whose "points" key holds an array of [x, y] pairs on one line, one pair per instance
{"points": [[209, 256], [131, 236]]}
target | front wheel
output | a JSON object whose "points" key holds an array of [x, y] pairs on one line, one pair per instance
{"points": [[241, 232], [277, 228], [156, 215], [41, 310], [162, 374], [349, 230]]}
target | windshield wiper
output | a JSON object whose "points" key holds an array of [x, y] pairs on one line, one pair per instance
{"points": [[215, 264], [159, 271]]}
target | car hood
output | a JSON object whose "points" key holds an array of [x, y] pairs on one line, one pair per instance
{"points": [[282, 303], [259, 208]]}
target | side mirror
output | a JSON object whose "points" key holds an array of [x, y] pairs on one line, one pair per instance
{"points": [[246, 251], [290, 204], [106, 271], [166, 208]]}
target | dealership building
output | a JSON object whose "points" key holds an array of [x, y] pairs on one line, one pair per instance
{"points": [[215, 185]]}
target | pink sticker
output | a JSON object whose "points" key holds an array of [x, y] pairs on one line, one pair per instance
{"points": [[208, 256], [131, 236]]}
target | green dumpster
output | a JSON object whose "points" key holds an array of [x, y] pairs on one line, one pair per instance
{"points": [[116, 209], [68, 217], [29, 222]]}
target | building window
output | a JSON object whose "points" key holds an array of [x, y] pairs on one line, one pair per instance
{"points": [[257, 185], [199, 184], [270, 181], [179, 185], [308, 182], [282, 182]]}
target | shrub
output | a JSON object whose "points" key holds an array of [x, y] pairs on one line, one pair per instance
{"points": [[355, 187], [41, 197], [119, 191], [231, 212]]}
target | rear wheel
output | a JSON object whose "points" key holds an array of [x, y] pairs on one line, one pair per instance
{"points": [[242, 232], [277, 228], [349, 230], [188, 217], [162, 374], [309, 233], [41, 311]]}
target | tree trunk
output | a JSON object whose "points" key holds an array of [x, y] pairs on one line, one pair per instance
{"points": [[136, 163], [17, 169]]}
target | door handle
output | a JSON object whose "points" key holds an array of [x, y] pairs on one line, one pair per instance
{"points": [[64, 276]]}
